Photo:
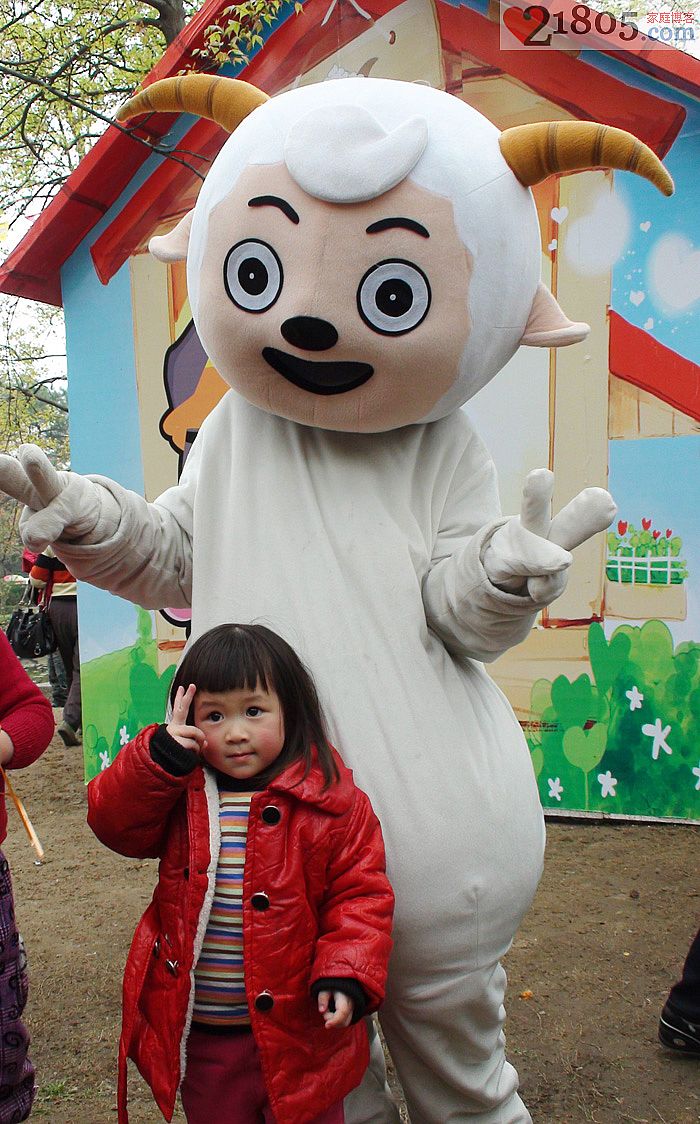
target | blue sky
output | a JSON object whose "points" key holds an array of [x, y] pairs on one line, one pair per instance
{"points": [[676, 217], [659, 479]]}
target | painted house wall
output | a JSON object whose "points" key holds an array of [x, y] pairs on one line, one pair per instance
{"points": [[544, 408], [635, 678], [118, 652], [104, 418]]}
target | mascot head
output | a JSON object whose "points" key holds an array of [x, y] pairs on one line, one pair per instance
{"points": [[365, 254]]}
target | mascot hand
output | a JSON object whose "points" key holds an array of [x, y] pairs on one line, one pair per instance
{"points": [[530, 553], [57, 504]]}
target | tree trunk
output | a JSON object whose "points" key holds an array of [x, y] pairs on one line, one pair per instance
{"points": [[171, 18]]}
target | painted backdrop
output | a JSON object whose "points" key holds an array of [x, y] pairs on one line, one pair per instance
{"points": [[607, 686]]}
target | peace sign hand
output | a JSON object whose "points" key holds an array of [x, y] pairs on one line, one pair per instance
{"points": [[531, 552], [191, 737], [57, 504]]}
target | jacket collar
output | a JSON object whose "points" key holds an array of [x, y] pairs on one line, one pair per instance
{"points": [[336, 799]]}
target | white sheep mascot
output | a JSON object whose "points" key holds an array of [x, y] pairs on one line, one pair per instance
{"points": [[363, 257]]}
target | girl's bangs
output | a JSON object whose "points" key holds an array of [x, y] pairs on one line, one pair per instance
{"points": [[237, 662]]}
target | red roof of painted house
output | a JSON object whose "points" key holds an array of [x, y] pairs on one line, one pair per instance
{"points": [[33, 268], [639, 359]]}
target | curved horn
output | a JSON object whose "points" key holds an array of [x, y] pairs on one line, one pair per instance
{"points": [[224, 100], [537, 151]]}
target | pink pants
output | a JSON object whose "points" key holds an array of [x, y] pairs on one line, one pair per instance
{"points": [[224, 1083]]}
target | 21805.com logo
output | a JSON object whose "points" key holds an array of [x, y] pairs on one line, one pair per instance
{"points": [[576, 26]]}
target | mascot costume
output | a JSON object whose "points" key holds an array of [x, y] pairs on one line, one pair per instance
{"points": [[363, 257]]}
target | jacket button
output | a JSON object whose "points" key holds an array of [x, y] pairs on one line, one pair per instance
{"points": [[271, 814], [260, 901], [264, 1001]]}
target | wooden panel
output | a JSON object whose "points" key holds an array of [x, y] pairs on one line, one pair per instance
{"points": [[580, 437], [631, 414], [152, 337]]}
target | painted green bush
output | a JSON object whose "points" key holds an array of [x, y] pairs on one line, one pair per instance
{"points": [[122, 693], [627, 740]]}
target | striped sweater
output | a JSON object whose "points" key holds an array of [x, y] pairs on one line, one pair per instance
{"points": [[47, 565], [219, 998]]}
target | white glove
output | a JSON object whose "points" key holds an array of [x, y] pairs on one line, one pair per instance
{"points": [[57, 504], [530, 553]]}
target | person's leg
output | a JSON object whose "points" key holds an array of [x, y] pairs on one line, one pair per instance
{"points": [[63, 613], [447, 1044], [679, 1026], [371, 1102], [73, 710], [16, 1071], [443, 1015], [57, 679], [223, 1082], [685, 995], [61, 618], [446, 1040]]}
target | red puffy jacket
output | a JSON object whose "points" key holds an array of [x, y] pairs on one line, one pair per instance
{"points": [[317, 855]]}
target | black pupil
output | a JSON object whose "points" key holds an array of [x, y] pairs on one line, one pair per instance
{"points": [[253, 276], [394, 297]]}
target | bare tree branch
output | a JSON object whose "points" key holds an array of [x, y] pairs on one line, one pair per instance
{"points": [[29, 393], [160, 148]]}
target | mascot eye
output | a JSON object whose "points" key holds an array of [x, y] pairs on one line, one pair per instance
{"points": [[253, 275], [393, 297]]}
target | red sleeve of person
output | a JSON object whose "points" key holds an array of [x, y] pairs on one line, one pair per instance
{"points": [[28, 560]]}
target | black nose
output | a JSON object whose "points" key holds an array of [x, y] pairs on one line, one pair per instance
{"points": [[309, 334]]}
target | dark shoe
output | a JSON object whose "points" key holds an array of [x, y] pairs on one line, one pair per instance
{"points": [[676, 1033], [67, 734]]}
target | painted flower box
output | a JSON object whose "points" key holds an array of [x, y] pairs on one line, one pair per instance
{"points": [[644, 557]]}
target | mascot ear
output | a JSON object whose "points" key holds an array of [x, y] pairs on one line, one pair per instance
{"points": [[547, 326], [172, 246]]}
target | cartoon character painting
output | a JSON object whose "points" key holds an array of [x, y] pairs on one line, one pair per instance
{"points": [[362, 259]]}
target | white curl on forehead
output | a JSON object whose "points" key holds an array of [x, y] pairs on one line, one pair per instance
{"points": [[358, 159], [400, 130]]}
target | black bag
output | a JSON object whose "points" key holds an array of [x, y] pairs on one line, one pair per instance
{"points": [[30, 631]]}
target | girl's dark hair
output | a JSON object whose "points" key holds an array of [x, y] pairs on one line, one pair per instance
{"points": [[239, 656]]}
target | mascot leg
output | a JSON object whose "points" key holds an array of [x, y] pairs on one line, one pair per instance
{"points": [[445, 1036], [372, 1102]]}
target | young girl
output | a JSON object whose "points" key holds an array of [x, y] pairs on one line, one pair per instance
{"points": [[268, 935]]}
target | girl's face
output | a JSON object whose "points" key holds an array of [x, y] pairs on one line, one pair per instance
{"points": [[244, 729]]}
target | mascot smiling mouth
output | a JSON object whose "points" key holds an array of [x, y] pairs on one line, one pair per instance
{"points": [[316, 376]]}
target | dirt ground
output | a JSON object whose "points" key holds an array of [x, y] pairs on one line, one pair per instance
{"points": [[588, 973]]}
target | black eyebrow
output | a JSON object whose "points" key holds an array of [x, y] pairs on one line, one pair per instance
{"points": [[275, 201], [389, 224]]}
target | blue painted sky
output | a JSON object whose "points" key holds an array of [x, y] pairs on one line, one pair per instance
{"points": [[659, 479], [677, 216]]}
